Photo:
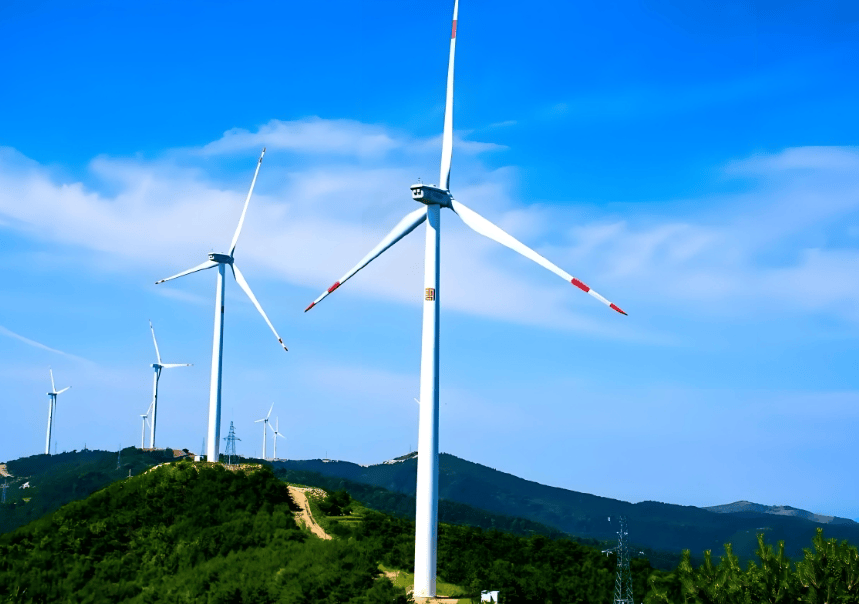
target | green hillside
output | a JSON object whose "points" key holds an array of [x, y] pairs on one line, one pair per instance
{"points": [[186, 533], [55, 480], [654, 526]]}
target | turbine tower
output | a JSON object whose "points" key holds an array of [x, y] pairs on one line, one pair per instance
{"points": [[221, 261], [434, 199], [52, 405], [264, 432], [157, 366], [276, 435]]}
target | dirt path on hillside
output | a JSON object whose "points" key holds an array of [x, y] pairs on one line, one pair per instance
{"points": [[299, 495]]}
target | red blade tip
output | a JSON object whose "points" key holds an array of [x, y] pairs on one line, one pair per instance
{"points": [[312, 304], [617, 308], [333, 287], [580, 285]]}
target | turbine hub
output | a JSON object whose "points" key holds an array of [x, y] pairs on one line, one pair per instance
{"points": [[222, 258], [431, 194]]}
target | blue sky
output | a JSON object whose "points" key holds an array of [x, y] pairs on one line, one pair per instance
{"points": [[695, 163]]}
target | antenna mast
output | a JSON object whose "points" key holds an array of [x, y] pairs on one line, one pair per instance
{"points": [[623, 576], [231, 444]]}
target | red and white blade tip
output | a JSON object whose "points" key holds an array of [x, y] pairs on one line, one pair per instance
{"points": [[588, 290]]}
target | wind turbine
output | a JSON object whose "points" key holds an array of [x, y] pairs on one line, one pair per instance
{"points": [[264, 433], [52, 405], [144, 417], [434, 199], [221, 261], [157, 367], [276, 434]]}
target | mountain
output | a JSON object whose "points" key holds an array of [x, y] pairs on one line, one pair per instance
{"points": [[40, 484], [743, 507], [654, 525], [197, 532]]}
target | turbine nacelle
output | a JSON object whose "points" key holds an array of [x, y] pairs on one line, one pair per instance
{"points": [[221, 258], [431, 195]]}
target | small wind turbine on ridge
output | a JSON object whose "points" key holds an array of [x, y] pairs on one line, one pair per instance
{"points": [[158, 366], [52, 405], [264, 432], [277, 434], [221, 261], [434, 199]]}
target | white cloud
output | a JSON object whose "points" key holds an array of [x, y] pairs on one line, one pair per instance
{"points": [[765, 247]]}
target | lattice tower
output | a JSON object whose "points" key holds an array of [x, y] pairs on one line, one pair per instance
{"points": [[231, 444]]}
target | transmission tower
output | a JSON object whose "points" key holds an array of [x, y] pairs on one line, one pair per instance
{"points": [[231, 444], [4, 487], [623, 577]]}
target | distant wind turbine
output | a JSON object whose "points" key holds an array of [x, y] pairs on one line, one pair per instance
{"points": [[158, 366], [52, 405], [143, 429], [221, 261], [434, 199], [276, 435], [264, 433]]}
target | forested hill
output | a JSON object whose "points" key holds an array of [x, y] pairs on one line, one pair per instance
{"points": [[187, 533], [654, 525], [40, 484]]}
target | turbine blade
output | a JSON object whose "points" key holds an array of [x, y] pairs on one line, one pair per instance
{"points": [[447, 137], [256, 421], [157, 354], [171, 365], [403, 228], [247, 201], [279, 434], [64, 389], [53, 387], [199, 267], [269, 411], [272, 428], [240, 279], [487, 229]]}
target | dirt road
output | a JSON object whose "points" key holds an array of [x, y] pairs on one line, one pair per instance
{"points": [[299, 495]]}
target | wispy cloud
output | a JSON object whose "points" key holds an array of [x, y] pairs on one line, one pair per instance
{"points": [[781, 244], [11, 334]]}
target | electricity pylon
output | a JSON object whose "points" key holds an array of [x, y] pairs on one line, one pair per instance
{"points": [[231, 444], [623, 577]]}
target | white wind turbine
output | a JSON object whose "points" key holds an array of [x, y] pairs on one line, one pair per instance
{"points": [[144, 417], [435, 198], [221, 261], [52, 405], [153, 406], [277, 434], [264, 432]]}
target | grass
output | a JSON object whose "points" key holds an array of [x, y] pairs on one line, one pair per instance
{"points": [[406, 580]]}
